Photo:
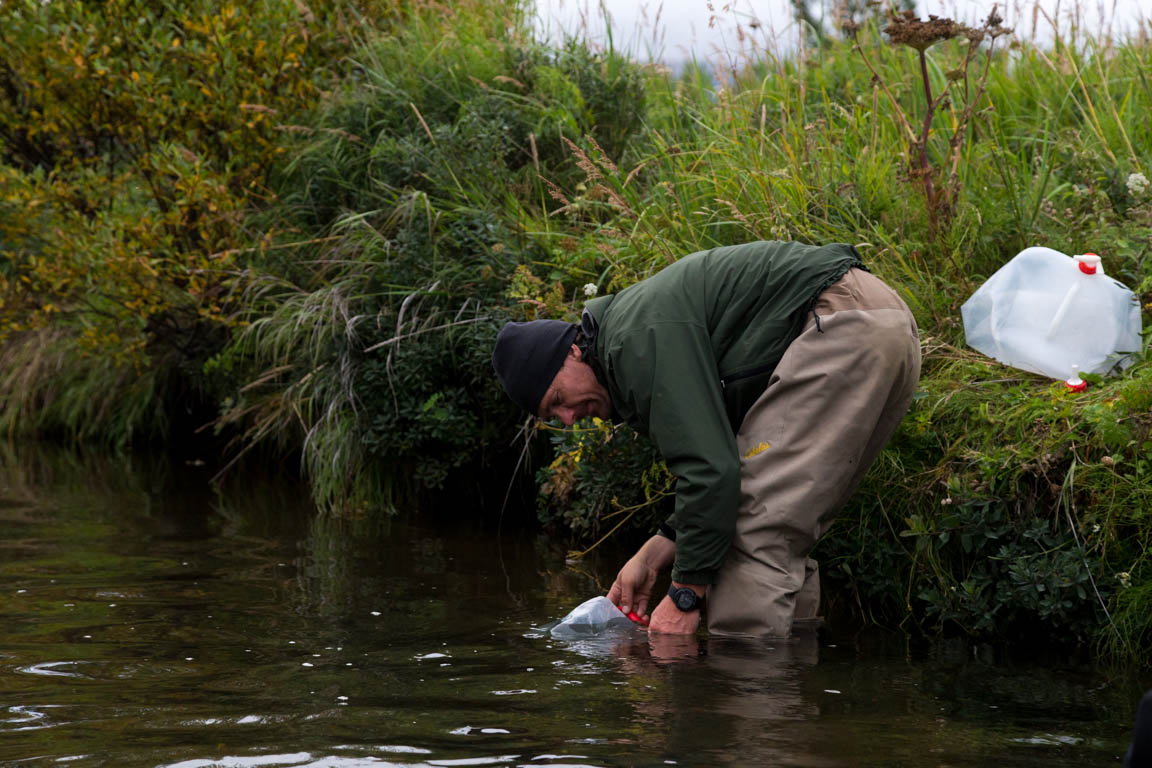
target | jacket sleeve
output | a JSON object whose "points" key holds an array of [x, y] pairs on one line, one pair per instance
{"points": [[669, 380]]}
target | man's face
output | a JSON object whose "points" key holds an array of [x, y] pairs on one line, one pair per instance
{"points": [[575, 393]]}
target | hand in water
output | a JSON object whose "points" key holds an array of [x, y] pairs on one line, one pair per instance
{"points": [[669, 620]]}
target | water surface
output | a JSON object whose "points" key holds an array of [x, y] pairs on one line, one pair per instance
{"points": [[147, 620]]}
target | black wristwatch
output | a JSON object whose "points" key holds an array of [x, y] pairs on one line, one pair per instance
{"points": [[684, 598]]}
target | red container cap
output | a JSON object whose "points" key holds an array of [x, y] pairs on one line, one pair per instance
{"points": [[1088, 266], [1074, 382]]}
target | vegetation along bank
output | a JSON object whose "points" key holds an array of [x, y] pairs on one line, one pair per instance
{"points": [[295, 227]]}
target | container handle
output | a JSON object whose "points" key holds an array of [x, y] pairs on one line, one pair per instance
{"points": [[1063, 309]]}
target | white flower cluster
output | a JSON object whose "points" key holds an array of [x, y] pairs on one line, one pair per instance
{"points": [[1137, 184], [590, 289]]}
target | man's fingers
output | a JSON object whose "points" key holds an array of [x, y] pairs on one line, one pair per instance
{"points": [[620, 595], [641, 603], [625, 601]]}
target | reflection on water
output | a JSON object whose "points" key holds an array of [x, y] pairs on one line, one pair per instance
{"points": [[148, 620]]}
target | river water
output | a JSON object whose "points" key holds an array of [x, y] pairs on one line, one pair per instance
{"points": [[149, 620]]}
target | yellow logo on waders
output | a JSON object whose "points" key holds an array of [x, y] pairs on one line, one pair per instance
{"points": [[758, 450]]}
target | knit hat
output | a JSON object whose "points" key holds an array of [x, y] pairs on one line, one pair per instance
{"points": [[528, 356]]}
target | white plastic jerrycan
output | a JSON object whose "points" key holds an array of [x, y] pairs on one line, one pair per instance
{"points": [[1054, 315]]}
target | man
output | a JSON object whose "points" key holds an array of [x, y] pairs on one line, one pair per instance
{"points": [[769, 375]]}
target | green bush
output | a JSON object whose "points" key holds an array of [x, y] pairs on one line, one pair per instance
{"points": [[401, 248], [135, 139]]}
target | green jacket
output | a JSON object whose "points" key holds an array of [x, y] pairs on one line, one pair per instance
{"points": [[685, 354]]}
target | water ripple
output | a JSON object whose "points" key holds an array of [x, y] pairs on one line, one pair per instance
{"points": [[49, 669]]}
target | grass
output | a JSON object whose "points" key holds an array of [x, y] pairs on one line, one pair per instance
{"points": [[49, 386]]}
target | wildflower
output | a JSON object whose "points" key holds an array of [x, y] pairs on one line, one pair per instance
{"points": [[904, 28], [1108, 461], [1137, 184], [1125, 579], [1096, 528], [947, 502], [590, 289]]}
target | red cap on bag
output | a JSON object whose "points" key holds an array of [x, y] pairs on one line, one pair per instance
{"points": [[633, 616]]}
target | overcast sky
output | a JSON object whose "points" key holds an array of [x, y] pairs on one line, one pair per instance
{"points": [[709, 26]]}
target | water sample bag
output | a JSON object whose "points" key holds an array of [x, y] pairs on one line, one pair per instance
{"points": [[590, 618], [1054, 315]]}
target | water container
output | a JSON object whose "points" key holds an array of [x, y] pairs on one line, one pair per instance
{"points": [[1053, 314], [590, 618]]}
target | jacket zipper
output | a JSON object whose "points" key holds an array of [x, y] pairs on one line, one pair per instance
{"points": [[726, 380]]}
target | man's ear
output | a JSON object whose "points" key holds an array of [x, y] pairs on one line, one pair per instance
{"points": [[575, 354]]}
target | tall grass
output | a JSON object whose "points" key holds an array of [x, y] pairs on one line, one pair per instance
{"points": [[50, 386], [473, 175]]}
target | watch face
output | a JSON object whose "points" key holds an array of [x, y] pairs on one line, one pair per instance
{"points": [[685, 599]]}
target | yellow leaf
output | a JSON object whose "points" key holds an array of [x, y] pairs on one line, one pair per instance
{"points": [[175, 42]]}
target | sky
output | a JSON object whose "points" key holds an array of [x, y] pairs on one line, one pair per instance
{"points": [[672, 30]]}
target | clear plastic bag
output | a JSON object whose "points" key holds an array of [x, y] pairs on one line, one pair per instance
{"points": [[591, 617], [1052, 314]]}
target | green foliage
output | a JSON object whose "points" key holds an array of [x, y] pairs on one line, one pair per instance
{"points": [[45, 379], [603, 476], [1028, 507], [400, 251], [135, 137], [428, 436], [996, 571]]}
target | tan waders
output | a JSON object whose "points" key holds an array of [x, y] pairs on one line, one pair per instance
{"points": [[834, 400]]}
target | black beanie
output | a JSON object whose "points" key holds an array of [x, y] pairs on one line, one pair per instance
{"points": [[528, 356]]}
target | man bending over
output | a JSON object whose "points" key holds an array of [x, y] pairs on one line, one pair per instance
{"points": [[769, 375]]}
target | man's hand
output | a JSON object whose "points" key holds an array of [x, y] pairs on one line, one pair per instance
{"points": [[670, 620], [633, 585]]}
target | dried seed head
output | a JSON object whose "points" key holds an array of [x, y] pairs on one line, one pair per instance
{"points": [[905, 29]]}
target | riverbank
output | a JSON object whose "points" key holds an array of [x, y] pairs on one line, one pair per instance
{"points": [[321, 276]]}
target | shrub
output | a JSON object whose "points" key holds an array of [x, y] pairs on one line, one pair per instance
{"points": [[135, 137]]}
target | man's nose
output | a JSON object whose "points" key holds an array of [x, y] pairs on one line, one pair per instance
{"points": [[566, 415]]}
